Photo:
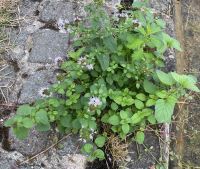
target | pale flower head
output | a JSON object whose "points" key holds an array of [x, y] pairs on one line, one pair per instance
{"points": [[94, 101], [82, 61], [90, 66]]}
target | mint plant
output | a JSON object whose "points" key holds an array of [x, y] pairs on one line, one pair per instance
{"points": [[112, 81]]}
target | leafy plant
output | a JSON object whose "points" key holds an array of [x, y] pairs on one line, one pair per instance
{"points": [[112, 81]]}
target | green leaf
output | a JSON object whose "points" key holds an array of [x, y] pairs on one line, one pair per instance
{"points": [[150, 102], [149, 87], [110, 43], [99, 154], [27, 122], [124, 114], [43, 127], [165, 78], [134, 42], [175, 44], [104, 61], [137, 55], [100, 141], [161, 23], [164, 109], [76, 54], [136, 118], [9, 122], [138, 4], [66, 121], [20, 132], [41, 117], [114, 106], [139, 104], [92, 125], [152, 119], [24, 110], [76, 124], [187, 81], [139, 137], [105, 118], [141, 96], [114, 120], [125, 128], [88, 148], [162, 94]]}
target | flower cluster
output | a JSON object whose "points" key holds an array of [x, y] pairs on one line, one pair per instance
{"points": [[94, 101], [83, 62]]}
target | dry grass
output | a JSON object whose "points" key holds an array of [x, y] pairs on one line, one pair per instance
{"points": [[8, 13], [8, 4], [117, 149]]}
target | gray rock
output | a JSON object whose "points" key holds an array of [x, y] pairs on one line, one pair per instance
{"points": [[7, 79], [8, 159], [51, 10], [47, 45], [73, 161], [32, 145], [69, 146], [28, 8], [32, 88]]}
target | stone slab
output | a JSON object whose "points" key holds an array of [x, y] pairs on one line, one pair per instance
{"points": [[51, 10], [47, 45], [34, 84]]}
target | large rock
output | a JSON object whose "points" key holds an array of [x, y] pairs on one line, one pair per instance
{"points": [[32, 145], [47, 45], [8, 159], [34, 84], [69, 146], [51, 10]]}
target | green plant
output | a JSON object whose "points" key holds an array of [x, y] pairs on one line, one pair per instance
{"points": [[111, 80]]}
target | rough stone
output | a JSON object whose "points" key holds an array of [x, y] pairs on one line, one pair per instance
{"points": [[33, 144], [73, 161], [7, 78], [34, 27], [69, 146], [8, 159], [47, 45], [34, 84], [51, 10]]}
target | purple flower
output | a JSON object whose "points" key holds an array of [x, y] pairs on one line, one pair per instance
{"points": [[94, 101]]}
